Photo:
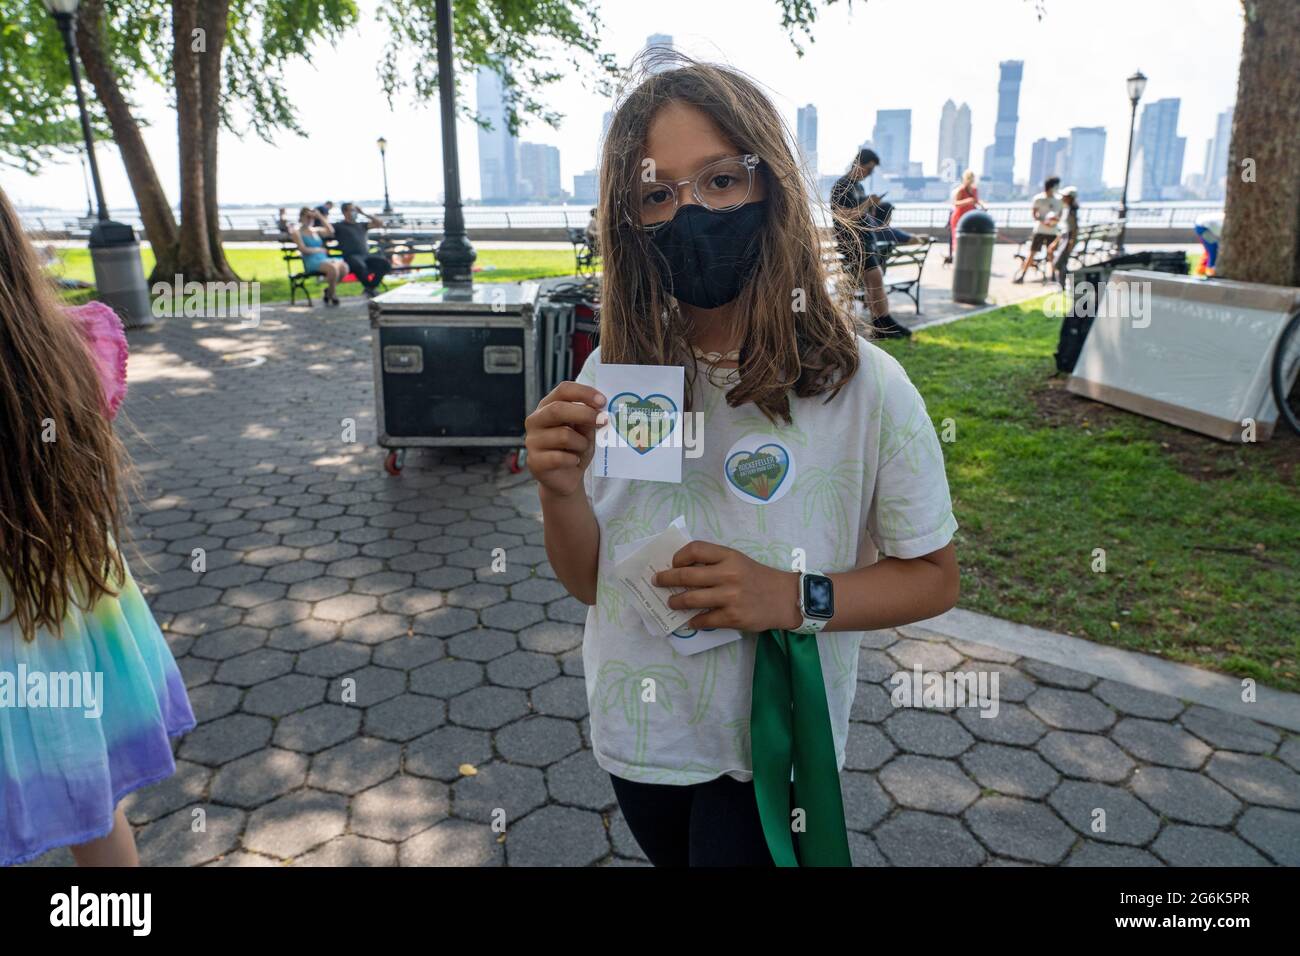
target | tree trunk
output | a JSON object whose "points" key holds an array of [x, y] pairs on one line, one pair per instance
{"points": [[155, 210], [1261, 229], [212, 19], [195, 253]]}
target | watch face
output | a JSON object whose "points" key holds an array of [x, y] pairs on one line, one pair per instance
{"points": [[818, 596]]}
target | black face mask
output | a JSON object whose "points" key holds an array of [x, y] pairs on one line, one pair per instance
{"points": [[710, 255]]}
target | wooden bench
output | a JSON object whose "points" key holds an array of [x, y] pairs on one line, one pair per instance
{"points": [[584, 256], [902, 256], [384, 243], [1095, 242], [895, 256]]}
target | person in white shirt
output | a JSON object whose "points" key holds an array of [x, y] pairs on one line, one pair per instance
{"points": [[1047, 210]]}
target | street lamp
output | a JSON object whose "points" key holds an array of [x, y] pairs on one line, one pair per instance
{"points": [[64, 13], [1135, 84], [114, 251], [455, 254], [383, 159]]}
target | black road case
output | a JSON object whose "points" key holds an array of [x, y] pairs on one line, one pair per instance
{"points": [[456, 367]]}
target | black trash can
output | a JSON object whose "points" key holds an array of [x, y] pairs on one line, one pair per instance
{"points": [[973, 258], [119, 275], [1088, 287]]}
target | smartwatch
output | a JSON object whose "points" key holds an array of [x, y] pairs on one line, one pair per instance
{"points": [[816, 601]]}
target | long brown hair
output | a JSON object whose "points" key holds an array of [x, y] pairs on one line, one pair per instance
{"points": [[812, 351], [60, 463]]}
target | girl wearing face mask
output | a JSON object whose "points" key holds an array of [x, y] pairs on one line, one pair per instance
{"points": [[818, 508]]}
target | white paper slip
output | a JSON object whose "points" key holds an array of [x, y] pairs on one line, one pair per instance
{"points": [[684, 638], [643, 437]]}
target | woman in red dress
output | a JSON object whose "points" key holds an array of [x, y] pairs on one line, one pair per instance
{"points": [[964, 198]]}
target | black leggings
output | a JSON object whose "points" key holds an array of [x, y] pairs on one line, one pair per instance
{"points": [[704, 824]]}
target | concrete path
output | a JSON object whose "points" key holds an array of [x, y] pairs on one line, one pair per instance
{"points": [[371, 692]]}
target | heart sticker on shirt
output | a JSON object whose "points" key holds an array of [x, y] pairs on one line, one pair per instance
{"points": [[759, 470], [644, 423]]}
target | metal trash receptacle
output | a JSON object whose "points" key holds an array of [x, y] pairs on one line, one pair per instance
{"points": [[457, 367], [973, 257], [119, 274]]}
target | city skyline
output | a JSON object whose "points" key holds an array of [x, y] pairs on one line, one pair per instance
{"points": [[1194, 58]]}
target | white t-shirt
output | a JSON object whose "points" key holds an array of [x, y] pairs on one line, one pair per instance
{"points": [[1045, 206], [846, 480]]}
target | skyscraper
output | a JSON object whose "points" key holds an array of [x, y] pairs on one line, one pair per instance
{"points": [[1214, 180], [1161, 150], [892, 139], [954, 141], [539, 171], [806, 134], [585, 186], [658, 42], [1047, 159], [1000, 163], [1086, 156], [498, 149]]}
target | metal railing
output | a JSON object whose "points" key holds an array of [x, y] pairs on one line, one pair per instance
{"points": [[913, 215]]}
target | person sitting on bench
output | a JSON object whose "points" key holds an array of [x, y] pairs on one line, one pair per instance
{"points": [[855, 240], [355, 246], [592, 232], [310, 234], [1047, 213]]}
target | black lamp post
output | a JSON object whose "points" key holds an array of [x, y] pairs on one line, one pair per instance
{"points": [[455, 254], [85, 181], [383, 160], [64, 13], [114, 251], [1136, 84]]}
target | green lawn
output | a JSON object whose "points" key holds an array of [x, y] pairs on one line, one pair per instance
{"points": [[267, 267], [1201, 544]]}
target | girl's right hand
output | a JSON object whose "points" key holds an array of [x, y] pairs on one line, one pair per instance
{"points": [[560, 436]]}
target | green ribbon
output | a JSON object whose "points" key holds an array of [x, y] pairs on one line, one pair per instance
{"points": [[790, 728]]}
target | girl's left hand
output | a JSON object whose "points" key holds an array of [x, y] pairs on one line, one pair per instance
{"points": [[736, 590]]}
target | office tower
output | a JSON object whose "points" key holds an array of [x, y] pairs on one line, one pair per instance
{"points": [[1161, 150], [1086, 155], [1214, 180], [498, 149], [954, 141], [658, 43], [1000, 163], [892, 136], [539, 171], [1047, 159], [585, 186], [806, 134]]}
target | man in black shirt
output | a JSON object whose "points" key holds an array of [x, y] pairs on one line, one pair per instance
{"points": [[355, 246], [855, 239]]}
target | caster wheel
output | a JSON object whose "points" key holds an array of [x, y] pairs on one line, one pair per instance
{"points": [[394, 461]]}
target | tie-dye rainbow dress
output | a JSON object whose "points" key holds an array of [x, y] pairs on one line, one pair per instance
{"points": [[68, 754]]}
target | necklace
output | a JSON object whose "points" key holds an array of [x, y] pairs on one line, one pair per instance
{"points": [[714, 358]]}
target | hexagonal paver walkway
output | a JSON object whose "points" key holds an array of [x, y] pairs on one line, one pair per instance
{"points": [[372, 692]]}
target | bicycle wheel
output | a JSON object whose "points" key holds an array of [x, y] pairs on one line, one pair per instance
{"points": [[1286, 364]]}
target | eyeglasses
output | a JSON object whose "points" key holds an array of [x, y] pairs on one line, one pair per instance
{"points": [[720, 186]]}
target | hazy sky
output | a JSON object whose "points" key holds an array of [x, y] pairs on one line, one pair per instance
{"points": [[883, 54]]}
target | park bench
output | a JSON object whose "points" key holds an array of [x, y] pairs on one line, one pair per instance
{"points": [[584, 256], [384, 243], [895, 258], [1095, 242], [900, 257]]}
